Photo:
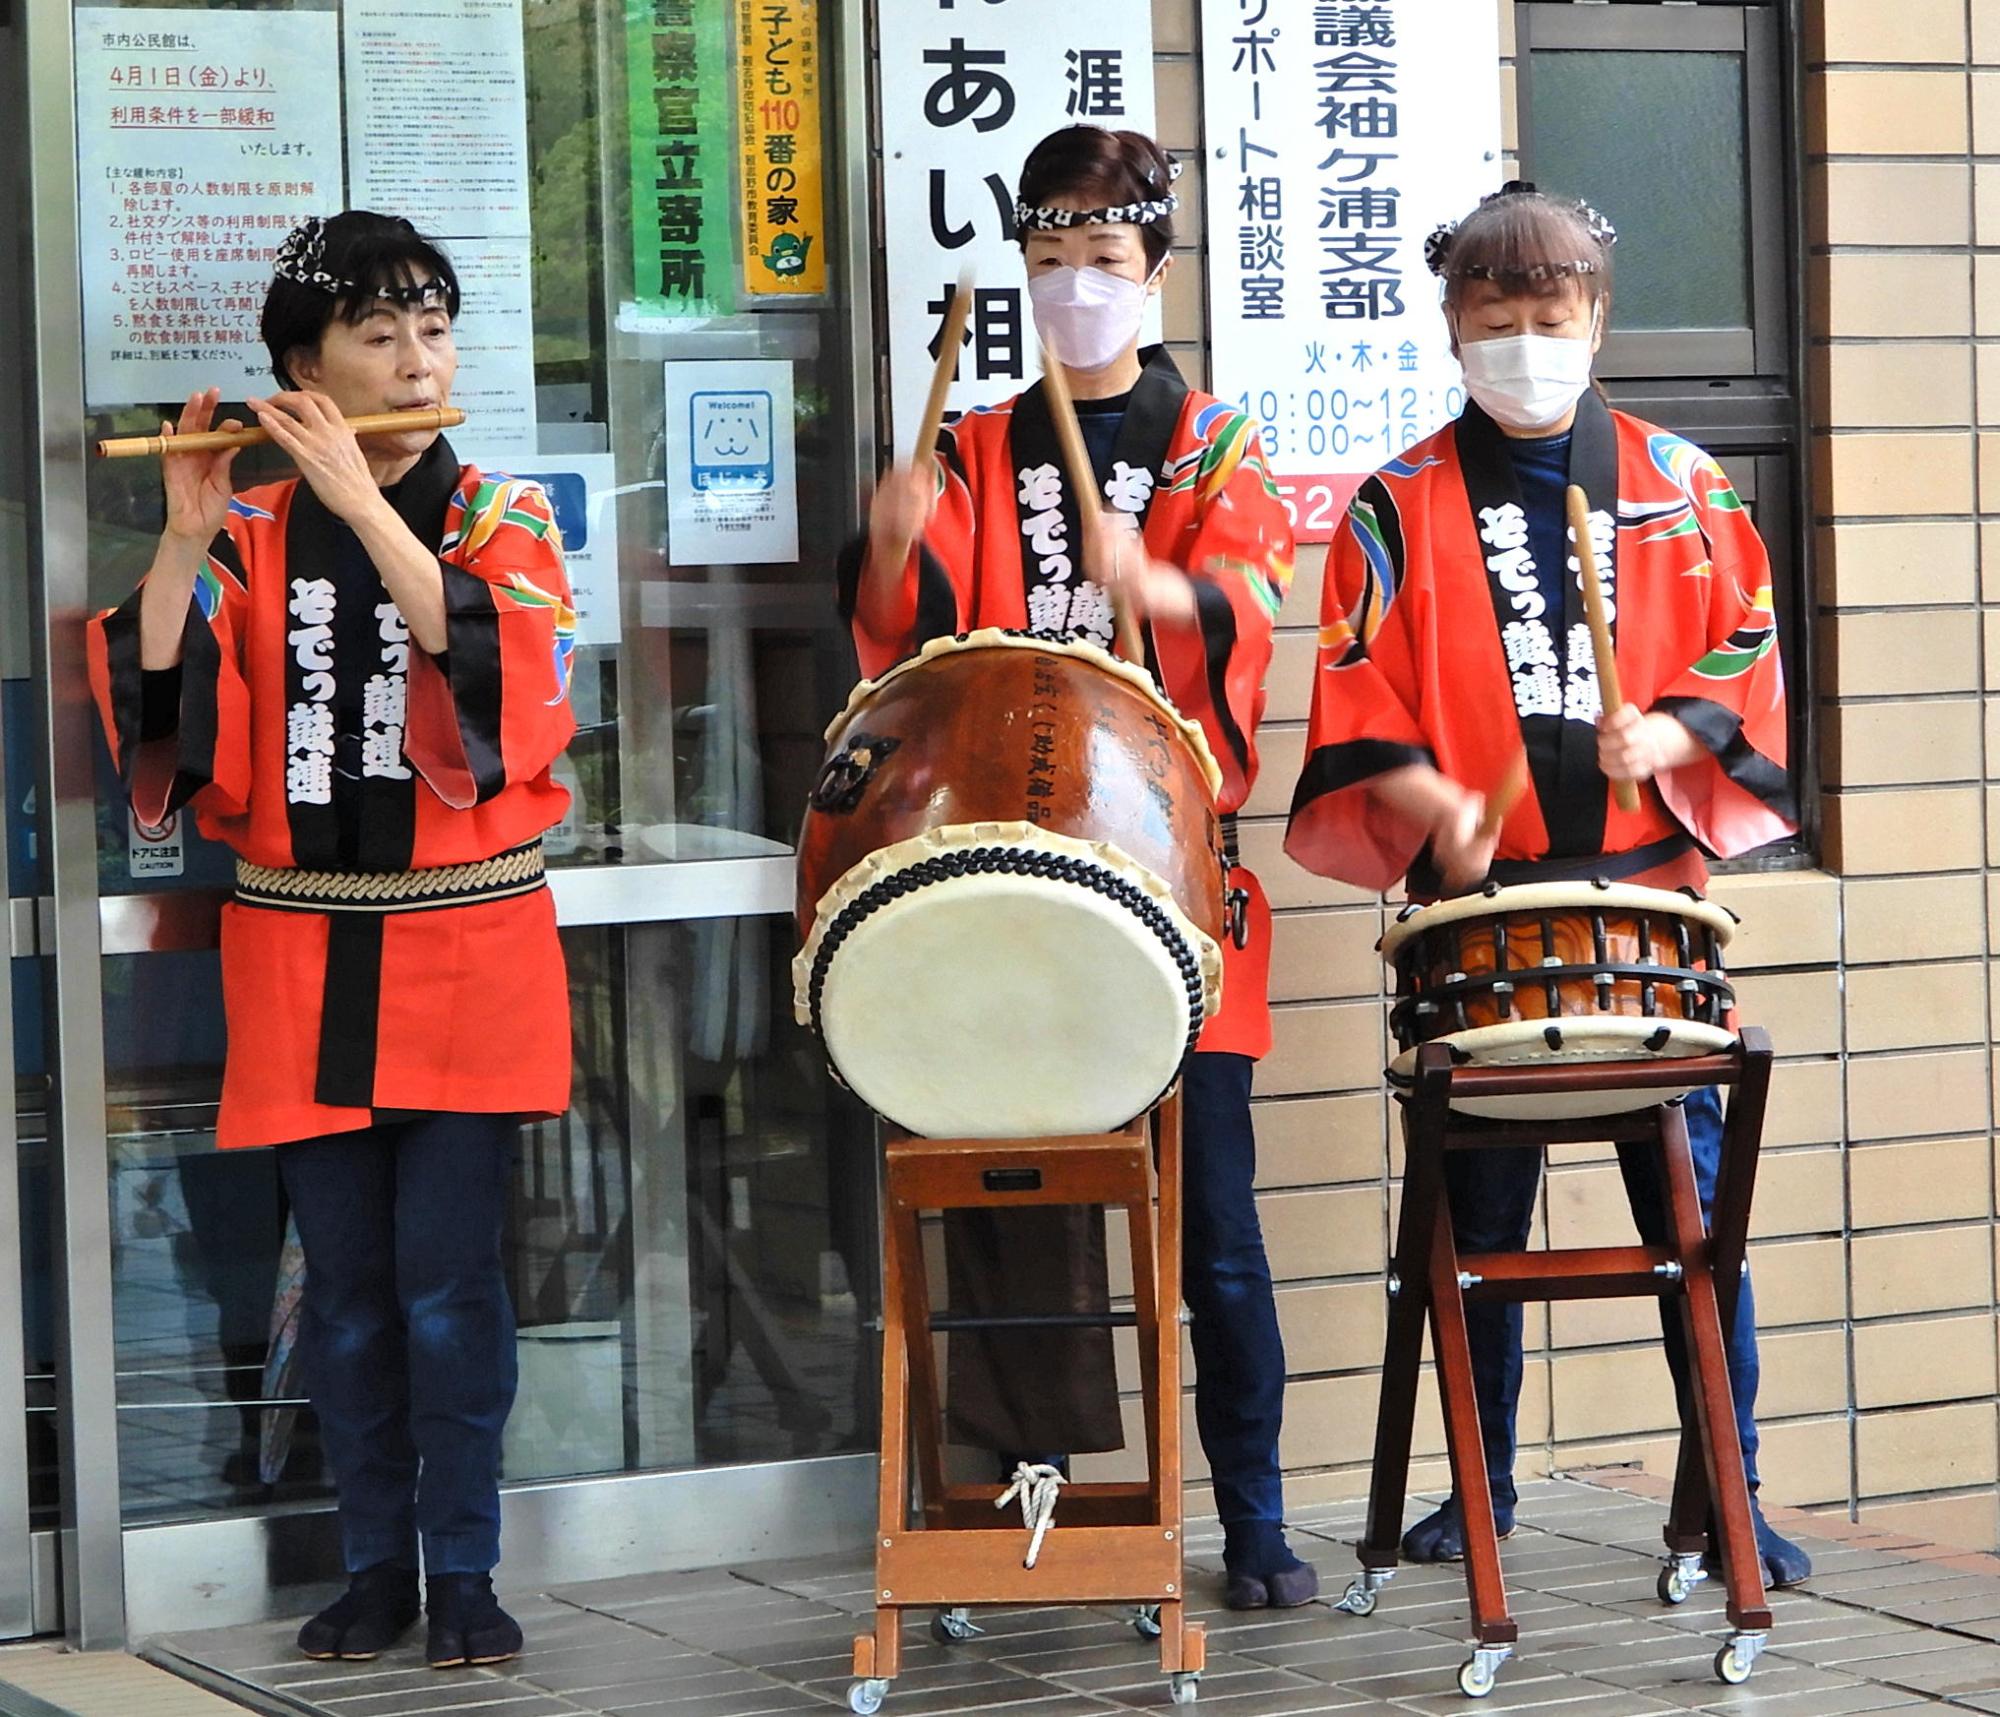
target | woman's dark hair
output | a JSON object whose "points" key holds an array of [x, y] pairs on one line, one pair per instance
{"points": [[1107, 169], [362, 254], [1527, 242]]}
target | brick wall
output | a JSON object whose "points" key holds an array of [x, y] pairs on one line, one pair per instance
{"points": [[1874, 1239]]}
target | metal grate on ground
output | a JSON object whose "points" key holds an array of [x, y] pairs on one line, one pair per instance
{"points": [[1887, 1624]]}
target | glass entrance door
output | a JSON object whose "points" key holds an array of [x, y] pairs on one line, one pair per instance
{"points": [[27, 1473], [692, 1246]]}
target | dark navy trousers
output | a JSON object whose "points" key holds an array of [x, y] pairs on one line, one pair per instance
{"points": [[407, 1331], [1492, 1207], [1239, 1359]]}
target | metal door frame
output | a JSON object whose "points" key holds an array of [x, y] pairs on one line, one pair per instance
{"points": [[215, 1572]]}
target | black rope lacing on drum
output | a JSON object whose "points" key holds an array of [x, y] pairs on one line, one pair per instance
{"points": [[1012, 861]]}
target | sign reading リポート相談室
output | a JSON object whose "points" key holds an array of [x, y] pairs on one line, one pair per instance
{"points": [[966, 92], [1340, 134], [202, 139]]}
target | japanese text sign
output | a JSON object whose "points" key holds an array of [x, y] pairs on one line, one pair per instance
{"points": [[966, 92], [1340, 133], [203, 139], [683, 201], [778, 118]]}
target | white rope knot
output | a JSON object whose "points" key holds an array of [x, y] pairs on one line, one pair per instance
{"points": [[1038, 1488]]}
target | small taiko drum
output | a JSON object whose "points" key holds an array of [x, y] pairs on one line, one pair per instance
{"points": [[1010, 891], [1560, 973]]}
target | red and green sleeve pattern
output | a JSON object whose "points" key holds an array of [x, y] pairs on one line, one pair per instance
{"points": [[1732, 698], [185, 738], [1239, 560], [1367, 681], [494, 710]]}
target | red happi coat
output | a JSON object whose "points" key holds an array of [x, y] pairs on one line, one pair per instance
{"points": [[999, 551], [306, 732], [1433, 648]]}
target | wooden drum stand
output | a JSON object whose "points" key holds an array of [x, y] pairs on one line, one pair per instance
{"points": [[1115, 1543], [1701, 1270]]}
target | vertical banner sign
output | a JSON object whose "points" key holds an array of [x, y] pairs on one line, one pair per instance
{"points": [[966, 92], [1339, 135], [783, 179], [683, 207], [202, 139]]}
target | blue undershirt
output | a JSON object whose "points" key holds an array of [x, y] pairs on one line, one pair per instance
{"points": [[1542, 469], [1100, 421]]}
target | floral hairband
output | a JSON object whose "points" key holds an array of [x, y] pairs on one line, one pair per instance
{"points": [[301, 257], [1033, 218], [1437, 248]]}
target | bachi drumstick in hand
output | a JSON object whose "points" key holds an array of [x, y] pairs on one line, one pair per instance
{"points": [[1506, 794], [1612, 697], [1062, 411], [925, 446]]}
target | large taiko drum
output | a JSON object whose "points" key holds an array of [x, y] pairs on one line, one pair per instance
{"points": [[1561, 973], [1010, 891]]}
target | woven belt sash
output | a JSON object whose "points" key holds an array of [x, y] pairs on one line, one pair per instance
{"points": [[518, 871]]}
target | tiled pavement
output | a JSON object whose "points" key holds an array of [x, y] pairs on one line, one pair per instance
{"points": [[1887, 1624]]}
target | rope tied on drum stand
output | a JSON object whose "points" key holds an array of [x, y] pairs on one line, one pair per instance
{"points": [[1037, 1486]]}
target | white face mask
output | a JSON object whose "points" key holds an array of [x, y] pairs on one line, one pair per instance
{"points": [[1527, 381], [1087, 316]]}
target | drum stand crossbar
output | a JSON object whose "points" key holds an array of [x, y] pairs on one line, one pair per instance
{"points": [[1113, 1543], [1701, 1270]]}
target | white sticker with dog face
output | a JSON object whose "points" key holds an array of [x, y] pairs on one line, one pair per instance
{"points": [[732, 477]]}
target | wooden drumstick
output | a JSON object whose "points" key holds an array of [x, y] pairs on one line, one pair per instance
{"points": [[1608, 691], [1505, 796], [924, 448], [1084, 481], [221, 440]]}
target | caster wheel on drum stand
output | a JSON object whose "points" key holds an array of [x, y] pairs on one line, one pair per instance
{"points": [[1146, 1621], [1184, 1689], [1363, 1592], [1735, 1660], [865, 1697], [1679, 1578], [1479, 1673], [954, 1627]]}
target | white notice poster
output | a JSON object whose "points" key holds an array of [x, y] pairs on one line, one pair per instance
{"points": [[495, 336], [966, 92], [437, 113], [732, 474], [1339, 136], [202, 139], [582, 494]]}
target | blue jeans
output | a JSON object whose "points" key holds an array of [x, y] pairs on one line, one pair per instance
{"points": [[407, 1331], [1239, 1358], [1492, 1206]]}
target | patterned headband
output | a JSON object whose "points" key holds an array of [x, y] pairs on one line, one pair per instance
{"points": [[301, 260], [1033, 218], [1437, 248]]}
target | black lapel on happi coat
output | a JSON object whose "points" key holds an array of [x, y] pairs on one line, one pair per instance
{"points": [[1569, 787]]}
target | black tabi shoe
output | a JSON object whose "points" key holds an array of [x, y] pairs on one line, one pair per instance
{"points": [[1262, 1572], [377, 1609], [1440, 1535], [468, 1626], [1785, 1564]]}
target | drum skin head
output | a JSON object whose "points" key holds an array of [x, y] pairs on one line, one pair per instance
{"points": [[1005, 1007], [1585, 1038]]}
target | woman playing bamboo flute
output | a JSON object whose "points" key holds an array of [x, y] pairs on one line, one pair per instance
{"points": [[357, 679]]}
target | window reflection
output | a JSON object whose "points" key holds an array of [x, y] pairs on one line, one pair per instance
{"points": [[691, 1250]]}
